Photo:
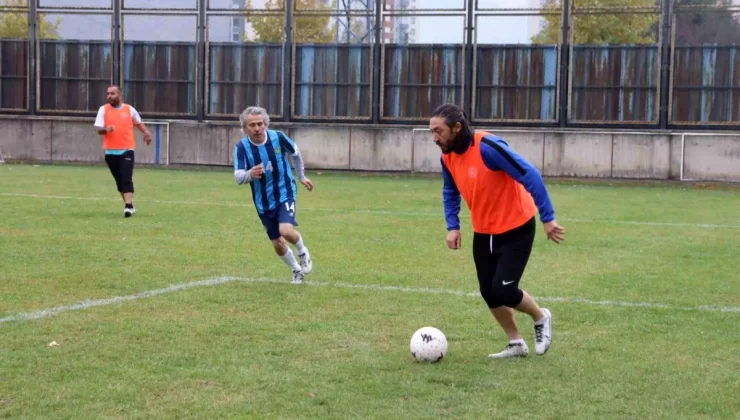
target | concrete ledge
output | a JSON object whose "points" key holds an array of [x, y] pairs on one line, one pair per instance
{"points": [[578, 155], [26, 140], [711, 157], [559, 153], [640, 156], [323, 148]]}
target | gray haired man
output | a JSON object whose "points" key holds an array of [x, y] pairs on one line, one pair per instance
{"points": [[261, 160]]}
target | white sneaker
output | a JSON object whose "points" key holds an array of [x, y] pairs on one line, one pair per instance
{"points": [[543, 334], [128, 212], [297, 277], [306, 263], [511, 350]]}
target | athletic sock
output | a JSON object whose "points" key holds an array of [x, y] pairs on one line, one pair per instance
{"points": [[290, 261], [299, 246]]}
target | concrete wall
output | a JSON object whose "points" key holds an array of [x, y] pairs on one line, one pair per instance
{"points": [[572, 153]]}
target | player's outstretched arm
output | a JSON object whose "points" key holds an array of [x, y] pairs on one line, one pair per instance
{"points": [[295, 154], [300, 168], [147, 134], [554, 231], [497, 155], [451, 202], [100, 127], [138, 123]]}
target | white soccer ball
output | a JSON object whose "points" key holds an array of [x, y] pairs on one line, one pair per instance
{"points": [[428, 344]]}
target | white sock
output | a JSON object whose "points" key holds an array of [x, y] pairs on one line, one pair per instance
{"points": [[289, 259], [300, 247], [519, 341], [542, 320]]}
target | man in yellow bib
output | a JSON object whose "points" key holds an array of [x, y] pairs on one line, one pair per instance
{"points": [[115, 122]]}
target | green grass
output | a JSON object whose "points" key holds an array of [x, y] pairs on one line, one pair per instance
{"points": [[268, 349]]}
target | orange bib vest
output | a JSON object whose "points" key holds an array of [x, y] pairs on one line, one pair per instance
{"points": [[497, 202], [122, 137]]}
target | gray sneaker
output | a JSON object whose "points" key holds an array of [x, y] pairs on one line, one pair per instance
{"points": [[297, 277], [543, 334], [511, 350], [306, 263]]}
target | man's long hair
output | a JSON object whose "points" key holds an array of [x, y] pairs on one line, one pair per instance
{"points": [[453, 114]]}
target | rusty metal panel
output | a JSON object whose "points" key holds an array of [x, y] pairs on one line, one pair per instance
{"points": [[706, 85], [615, 83], [13, 74], [418, 78], [159, 77], [75, 4], [333, 81], [516, 82], [74, 75], [242, 75]]}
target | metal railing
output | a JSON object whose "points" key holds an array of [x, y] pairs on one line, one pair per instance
{"points": [[357, 72]]}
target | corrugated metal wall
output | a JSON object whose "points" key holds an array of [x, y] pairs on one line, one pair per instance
{"points": [[159, 77], [516, 82], [608, 83], [706, 84], [241, 74], [615, 83], [75, 75], [333, 81], [13, 74], [419, 77], [599, 84]]}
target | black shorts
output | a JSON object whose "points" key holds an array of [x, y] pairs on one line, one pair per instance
{"points": [[122, 169], [500, 261]]}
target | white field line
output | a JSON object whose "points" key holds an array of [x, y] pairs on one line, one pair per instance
{"points": [[389, 212], [86, 304]]}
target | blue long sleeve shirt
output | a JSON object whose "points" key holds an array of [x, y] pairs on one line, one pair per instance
{"points": [[498, 156]]}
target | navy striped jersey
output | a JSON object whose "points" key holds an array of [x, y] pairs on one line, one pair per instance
{"points": [[277, 184]]}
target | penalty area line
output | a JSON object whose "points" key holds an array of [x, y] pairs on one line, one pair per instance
{"points": [[215, 281]]}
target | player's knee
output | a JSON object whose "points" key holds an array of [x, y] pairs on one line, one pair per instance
{"points": [[280, 247], [510, 297], [126, 186], [503, 296], [286, 230], [491, 300]]}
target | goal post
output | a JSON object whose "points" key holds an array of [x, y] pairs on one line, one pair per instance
{"points": [[684, 136], [160, 141]]}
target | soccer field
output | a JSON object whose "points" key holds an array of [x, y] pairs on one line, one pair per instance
{"points": [[184, 311]]}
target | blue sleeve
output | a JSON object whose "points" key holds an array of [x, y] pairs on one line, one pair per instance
{"points": [[240, 157], [451, 200], [286, 142], [498, 156]]}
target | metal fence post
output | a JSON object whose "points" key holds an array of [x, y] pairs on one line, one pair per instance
{"points": [[201, 57], [564, 64], [377, 46], [32, 61], [288, 62], [665, 65], [468, 89], [116, 78]]}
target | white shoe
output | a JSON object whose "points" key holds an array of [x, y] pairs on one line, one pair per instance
{"points": [[543, 334], [306, 263], [128, 212], [297, 277], [511, 350]]}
